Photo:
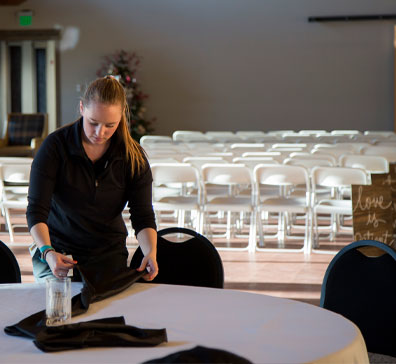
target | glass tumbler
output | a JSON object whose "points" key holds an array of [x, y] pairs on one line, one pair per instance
{"points": [[58, 301]]}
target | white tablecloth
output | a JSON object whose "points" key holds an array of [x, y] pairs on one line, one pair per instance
{"points": [[260, 328]]}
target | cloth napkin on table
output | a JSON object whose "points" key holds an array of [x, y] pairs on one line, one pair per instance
{"points": [[201, 354], [97, 285]]}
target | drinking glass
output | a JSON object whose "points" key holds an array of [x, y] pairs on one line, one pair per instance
{"points": [[58, 301]]}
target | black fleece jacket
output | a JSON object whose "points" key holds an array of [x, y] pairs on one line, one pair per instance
{"points": [[81, 202]]}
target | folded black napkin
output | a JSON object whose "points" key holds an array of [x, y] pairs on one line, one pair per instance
{"points": [[108, 332], [97, 285]]}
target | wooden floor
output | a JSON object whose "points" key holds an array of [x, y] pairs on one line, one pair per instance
{"points": [[289, 275]]}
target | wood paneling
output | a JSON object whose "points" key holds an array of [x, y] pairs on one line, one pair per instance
{"points": [[11, 2], [30, 34]]}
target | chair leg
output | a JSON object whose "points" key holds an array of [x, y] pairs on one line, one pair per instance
{"points": [[281, 230], [228, 231], [200, 221], [308, 234], [206, 225], [9, 224], [181, 218], [259, 223], [316, 230], [252, 232]]}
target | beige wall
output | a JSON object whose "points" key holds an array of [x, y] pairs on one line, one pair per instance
{"points": [[234, 64]]}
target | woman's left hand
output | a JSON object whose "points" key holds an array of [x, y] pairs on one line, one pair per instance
{"points": [[150, 263]]}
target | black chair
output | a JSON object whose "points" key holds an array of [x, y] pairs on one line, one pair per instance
{"points": [[363, 289], [194, 262], [9, 268]]}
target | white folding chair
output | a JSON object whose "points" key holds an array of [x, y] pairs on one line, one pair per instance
{"points": [[388, 152], [333, 149], [288, 145], [223, 136], [308, 163], [336, 179], [370, 163], [314, 156], [239, 148], [313, 132], [237, 178], [14, 182], [344, 132], [189, 136], [252, 162], [279, 132], [177, 190], [247, 134], [274, 155], [384, 133], [148, 140], [285, 204]]}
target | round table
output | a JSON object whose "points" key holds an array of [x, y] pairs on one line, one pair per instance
{"points": [[260, 328]]}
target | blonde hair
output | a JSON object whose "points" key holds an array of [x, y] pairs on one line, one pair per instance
{"points": [[108, 90]]}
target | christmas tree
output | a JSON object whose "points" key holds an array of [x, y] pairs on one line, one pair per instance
{"points": [[123, 66]]}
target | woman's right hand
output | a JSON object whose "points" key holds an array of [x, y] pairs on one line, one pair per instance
{"points": [[59, 263]]}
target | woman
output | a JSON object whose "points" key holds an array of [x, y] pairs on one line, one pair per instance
{"points": [[81, 179]]}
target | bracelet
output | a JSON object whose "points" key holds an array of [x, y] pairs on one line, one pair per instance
{"points": [[44, 250]]}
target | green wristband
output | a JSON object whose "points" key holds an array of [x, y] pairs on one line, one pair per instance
{"points": [[43, 250], [45, 247]]}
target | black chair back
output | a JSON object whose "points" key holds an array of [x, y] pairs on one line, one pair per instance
{"points": [[194, 262], [9, 267], [363, 289]]}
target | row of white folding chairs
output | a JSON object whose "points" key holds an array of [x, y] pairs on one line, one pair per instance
{"points": [[243, 134], [280, 135], [371, 163], [203, 195], [284, 150]]}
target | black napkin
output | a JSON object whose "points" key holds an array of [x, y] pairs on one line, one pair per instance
{"points": [[108, 332], [98, 284], [201, 354]]}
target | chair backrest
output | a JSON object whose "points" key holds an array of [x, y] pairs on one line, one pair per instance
{"points": [[16, 160], [362, 289], [22, 128], [344, 132], [17, 173], [316, 155], [313, 132], [388, 152], [9, 267], [198, 162], [338, 176], [174, 172], [281, 175], [189, 136], [252, 162], [379, 132], [223, 136], [194, 262], [288, 145], [275, 155], [308, 163], [371, 163], [226, 174]]}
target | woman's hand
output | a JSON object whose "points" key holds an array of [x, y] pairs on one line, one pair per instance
{"points": [[147, 239], [59, 263], [150, 263]]}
